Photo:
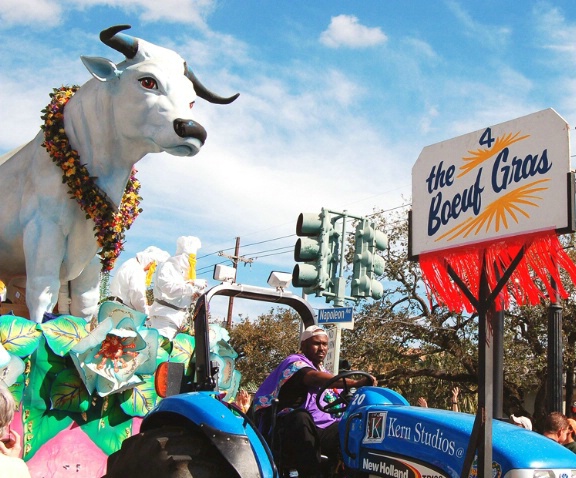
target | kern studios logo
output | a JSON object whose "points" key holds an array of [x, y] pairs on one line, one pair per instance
{"points": [[375, 427]]}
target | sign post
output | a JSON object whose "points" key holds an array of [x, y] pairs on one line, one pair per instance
{"points": [[486, 207], [340, 317]]}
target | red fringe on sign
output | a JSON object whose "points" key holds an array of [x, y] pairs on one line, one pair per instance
{"points": [[543, 259]]}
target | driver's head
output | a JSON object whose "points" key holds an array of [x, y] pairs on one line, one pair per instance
{"points": [[314, 344]]}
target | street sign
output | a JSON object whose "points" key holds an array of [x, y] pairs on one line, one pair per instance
{"points": [[341, 317], [335, 315]]}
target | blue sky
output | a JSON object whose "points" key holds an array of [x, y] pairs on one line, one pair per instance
{"points": [[337, 100]]}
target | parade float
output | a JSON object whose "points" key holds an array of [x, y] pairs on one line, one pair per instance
{"points": [[82, 372], [84, 387]]}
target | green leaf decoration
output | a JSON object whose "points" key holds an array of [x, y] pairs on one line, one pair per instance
{"points": [[164, 343], [47, 364], [68, 392], [64, 333], [142, 398], [40, 422], [107, 425], [183, 347], [162, 353], [17, 388], [19, 336], [40, 426]]}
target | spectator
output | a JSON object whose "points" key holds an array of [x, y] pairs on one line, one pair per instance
{"points": [[10, 447], [570, 443], [242, 400], [176, 288], [555, 427], [132, 278], [523, 422], [455, 391]]}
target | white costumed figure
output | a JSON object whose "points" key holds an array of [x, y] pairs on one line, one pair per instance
{"points": [[176, 288], [133, 278]]}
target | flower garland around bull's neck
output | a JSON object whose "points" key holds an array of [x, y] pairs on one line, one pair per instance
{"points": [[110, 223]]}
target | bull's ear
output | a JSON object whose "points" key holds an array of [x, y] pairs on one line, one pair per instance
{"points": [[100, 68]]}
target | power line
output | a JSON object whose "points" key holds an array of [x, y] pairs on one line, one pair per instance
{"points": [[269, 240], [256, 255], [276, 254], [287, 249]]}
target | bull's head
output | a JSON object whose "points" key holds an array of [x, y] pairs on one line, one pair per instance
{"points": [[173, 70]]}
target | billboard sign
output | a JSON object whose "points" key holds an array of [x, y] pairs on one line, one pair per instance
{"points": [[498, 182]]}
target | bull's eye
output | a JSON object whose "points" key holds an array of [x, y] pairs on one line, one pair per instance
{"points": [[192, 104], [148, 83]]}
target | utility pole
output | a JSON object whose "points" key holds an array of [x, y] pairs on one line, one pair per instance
{"points": [[235, 259]]}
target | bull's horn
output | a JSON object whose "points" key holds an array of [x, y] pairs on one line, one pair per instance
{"points": [[125, 44], [204, 93]]}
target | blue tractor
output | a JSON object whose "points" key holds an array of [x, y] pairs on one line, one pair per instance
{"points": [[193, 433]]}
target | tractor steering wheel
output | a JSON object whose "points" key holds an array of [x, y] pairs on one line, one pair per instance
{"points": [[344, 395]]}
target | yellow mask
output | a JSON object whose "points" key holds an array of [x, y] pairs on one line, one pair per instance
{"points": [[192, 268], [150, 273]]}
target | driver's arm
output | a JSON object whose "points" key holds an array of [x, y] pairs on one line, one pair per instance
{"points": [[314, 378]]}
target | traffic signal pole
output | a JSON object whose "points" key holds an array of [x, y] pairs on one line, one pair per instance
{"points": [[340, 286], [321, 249], [339, 298]]}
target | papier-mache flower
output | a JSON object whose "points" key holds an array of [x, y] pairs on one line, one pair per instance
{"points": [[111, 358], [222, 353]]}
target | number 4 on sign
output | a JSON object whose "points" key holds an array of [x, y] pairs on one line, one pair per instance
{"points": [[486, 138]]}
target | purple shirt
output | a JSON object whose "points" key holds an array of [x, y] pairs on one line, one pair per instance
{"points": [[270, 389]]}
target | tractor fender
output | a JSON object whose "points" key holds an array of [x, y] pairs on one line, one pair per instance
{"points": [[232, 434]]}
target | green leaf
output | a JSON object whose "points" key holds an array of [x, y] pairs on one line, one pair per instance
{"points": [[47, 363], [18, 335], [183, 347], [40, 423], [139, 400], [68, 392], [64, 333], [40, 426], [44, 367], [162, 353], [107, 425], [164, 343], [17, 388]]}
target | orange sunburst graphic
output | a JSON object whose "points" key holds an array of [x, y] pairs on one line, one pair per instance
{"points": [[496, 213], [481, 155]]}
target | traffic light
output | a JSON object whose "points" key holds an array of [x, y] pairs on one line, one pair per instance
{"points": [[315, 248], [368, 265]]}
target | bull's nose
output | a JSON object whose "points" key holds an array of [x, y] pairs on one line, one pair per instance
{"points": [[186, 128]]}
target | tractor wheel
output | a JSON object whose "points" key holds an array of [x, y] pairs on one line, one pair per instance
{"points": [[168, 452]]}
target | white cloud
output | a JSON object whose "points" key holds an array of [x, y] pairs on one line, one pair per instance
{"points": [[421, 48], [46, 13], [49, 13], [428, 118], [346, 31], [493, 36], [557, 33], [175, 11]]}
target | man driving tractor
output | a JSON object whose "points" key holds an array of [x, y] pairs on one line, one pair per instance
{"points": [[306, 432]]}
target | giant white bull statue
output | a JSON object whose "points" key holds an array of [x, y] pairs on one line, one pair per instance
{"points": [[141, 105]]}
